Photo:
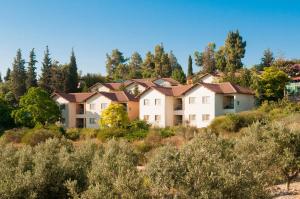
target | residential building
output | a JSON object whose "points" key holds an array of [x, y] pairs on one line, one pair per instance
{"points": [[195, 105], [292, 89], [83, 110]]}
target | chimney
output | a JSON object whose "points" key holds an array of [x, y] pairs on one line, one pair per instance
{"points": [[189, 80]]}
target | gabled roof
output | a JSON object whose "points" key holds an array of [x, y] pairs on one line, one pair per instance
{"points": [[175, 91], [75, 97], [111, 86], [172, 81], [227, 88], [119, 96], [143, 82]]}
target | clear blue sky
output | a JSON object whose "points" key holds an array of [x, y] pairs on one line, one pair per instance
{"points": [[95, 27]]}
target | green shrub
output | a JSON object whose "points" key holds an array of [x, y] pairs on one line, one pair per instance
{"points": [[187, 132], [139, 125], [14, 135], [72, 133], [136, 134], [35, 136], [153, 138], [88, 133], [107, 133]]}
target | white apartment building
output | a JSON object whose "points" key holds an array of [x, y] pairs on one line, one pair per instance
{"points": [[195, 105], [83, 110]]}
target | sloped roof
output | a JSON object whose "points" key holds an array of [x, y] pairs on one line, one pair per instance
{"points": [[175, 91], [75, 97], [170, 80], [118, 96], [111, 86], [227, 88], [143, 82]]}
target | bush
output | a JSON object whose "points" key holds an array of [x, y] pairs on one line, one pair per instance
{"points": [[139, 125], [72, 133], [136, 134], [87, 133], [35, 136], [107, 133], [234, 122], [14, 135]]}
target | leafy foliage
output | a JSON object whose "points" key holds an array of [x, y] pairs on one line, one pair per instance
{"points": [[114, 116]]}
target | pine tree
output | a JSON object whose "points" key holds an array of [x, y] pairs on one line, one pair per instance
{"points": [[166, 69], [173, 60], [206, 59], [112, 61], [45, 80], [148, 66], [179, 75], [158, 54], [135, 65], [18, 76], [234, 51], [190, 66], [31, 80], [7, 76], [1, 78], [71, 80], [220, 59], [267, 59]]}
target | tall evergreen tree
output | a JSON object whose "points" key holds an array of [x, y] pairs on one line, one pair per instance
{"points": [[148, 66], [206, 59], [267, 59], [113, 60], [234, 51], [1, 78], [18, 76], [71, 80], [220, 59], [178, 75], [45, 79], [135, 65], [173, 60], [166, 68], [190, 66], [31, 80], [7, 76], [158, 54]]}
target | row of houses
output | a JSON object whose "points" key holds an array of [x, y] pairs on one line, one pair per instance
{"points": [[161, 102]]}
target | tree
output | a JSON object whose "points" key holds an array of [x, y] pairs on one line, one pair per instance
{"points": [[45, 79], [148, 66], [271, 84], [90, 79], [7, 76], [59, 75], [179, 75], [220, 59], [158, 54], [206, 59], [190, 66], [113, 60], [31, 80], [267, 59], [71, 80], [166, 68], [5, 110], [114, 116], [1, 78], [18, 76], [173, 60], [36, 107], [135, 65], [234, 51]]}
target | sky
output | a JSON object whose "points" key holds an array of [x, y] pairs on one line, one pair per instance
{"points": [[95, 27]]}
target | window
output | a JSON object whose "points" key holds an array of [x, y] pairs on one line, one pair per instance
{"points": [[92, 106], [205, 117], [92, 120], [146, 102], [103, 106], [157, 102], [62, 107], [205, 100], [146, 117], [157, 118], [192, 118], [192, 100]]}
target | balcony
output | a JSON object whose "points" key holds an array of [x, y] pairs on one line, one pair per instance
{"points": [[178, 104], [79, 109]]}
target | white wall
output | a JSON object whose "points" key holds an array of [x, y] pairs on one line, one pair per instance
{"points": [[64, 113], [246, 102], [199, 108], [153, 109], [100, 88], [97, 99]]}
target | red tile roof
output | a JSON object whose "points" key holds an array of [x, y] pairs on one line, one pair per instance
{"points": [[227, 88], [118, 96], [171, 80], [75, 97], [175, 91]]}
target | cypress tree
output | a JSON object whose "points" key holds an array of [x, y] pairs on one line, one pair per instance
{"points": [[190, 66], [31, 80], [72, 75], [45, 80], [18, 76], [7, 76]]}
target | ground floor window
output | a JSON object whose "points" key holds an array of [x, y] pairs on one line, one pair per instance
{"points": [[205, 117], [92, 120]]}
